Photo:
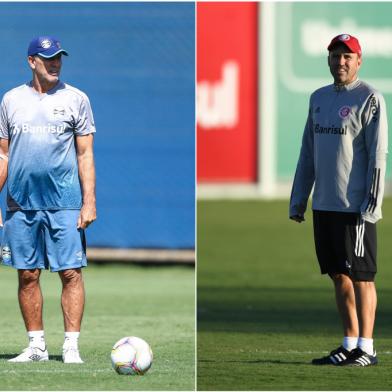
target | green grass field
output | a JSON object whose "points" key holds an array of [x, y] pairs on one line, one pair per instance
{"points": [[264, 310], [155, 303]]}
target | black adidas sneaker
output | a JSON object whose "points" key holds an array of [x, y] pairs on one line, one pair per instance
{"points": [[358, 357], [335, 357]]}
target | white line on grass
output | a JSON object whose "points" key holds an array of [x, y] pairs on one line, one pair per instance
{"points": [[306, 352], [16, 371]]}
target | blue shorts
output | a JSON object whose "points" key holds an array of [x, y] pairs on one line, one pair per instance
{"points": [[43, 239]]}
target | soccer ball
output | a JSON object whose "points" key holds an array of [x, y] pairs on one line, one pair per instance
{"points": [[131, 355]]}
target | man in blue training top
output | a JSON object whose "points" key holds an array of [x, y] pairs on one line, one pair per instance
{"points": [[46, 153]]}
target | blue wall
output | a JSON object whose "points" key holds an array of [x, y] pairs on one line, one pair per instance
{"points": [[136, 62]]}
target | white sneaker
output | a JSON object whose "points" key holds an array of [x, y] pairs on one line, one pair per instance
{"points": [[31, 354], [71, 355]]}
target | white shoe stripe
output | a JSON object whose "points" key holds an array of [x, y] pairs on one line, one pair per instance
{"points": [[366, 359], [362, 361], [340, 356], [332, 359]]}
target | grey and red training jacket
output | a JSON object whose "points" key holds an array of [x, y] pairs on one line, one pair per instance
{"points": [[343, 153]]}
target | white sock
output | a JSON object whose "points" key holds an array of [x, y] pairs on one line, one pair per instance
{"points": [[366, 344], [36, 339], [349, 343], [71, 340]]}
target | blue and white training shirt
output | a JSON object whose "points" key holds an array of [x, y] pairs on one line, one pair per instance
{"points": [[343, 153], [41, 128]]}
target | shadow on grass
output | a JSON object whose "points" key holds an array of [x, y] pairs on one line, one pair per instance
{"points": [[8, 356], [278, 310], [58, 358], [51, 357], [257, 361]]}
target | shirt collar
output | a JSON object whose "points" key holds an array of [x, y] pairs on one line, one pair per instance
{"points": [[346, 87], [57, 86]]}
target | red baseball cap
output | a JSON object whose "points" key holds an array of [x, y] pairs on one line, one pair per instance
{"points": [[350, 41]]}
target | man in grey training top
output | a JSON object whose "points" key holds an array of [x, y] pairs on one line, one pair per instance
{"points": [[46, 152], [343, 154]]}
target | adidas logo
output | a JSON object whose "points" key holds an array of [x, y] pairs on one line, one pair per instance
{"points": [[338, 357], [363, 361]]}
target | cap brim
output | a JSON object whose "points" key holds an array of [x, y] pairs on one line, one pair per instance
{"points": [[332, 45], [50, 55]]}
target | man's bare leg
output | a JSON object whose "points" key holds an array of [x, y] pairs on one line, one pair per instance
{"points": [[366, 299], [30, 299], [346, 304], [72, 299], [31, 302], [72, 302]]}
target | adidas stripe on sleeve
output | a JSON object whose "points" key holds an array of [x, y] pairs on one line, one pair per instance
{"points": [[376, 136]]}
